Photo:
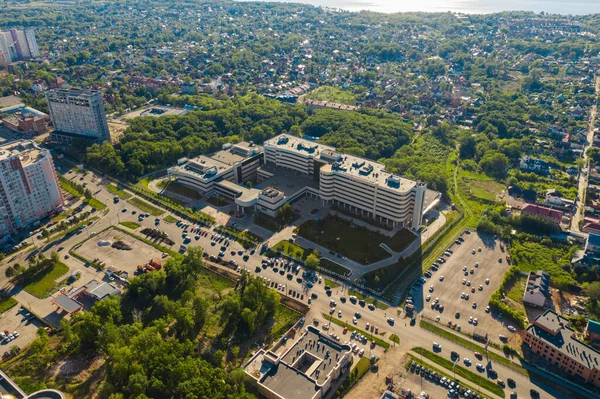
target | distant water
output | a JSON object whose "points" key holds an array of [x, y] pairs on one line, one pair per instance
{"points": [[565, 7]]}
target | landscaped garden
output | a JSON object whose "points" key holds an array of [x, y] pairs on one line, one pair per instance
{"points": [[355, 242]]}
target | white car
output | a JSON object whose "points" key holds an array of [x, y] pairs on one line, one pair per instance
{"points": [[354, 321], [340, 313], [442, 278], [467, 361], [511, 329]]}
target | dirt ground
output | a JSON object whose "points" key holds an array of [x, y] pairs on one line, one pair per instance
{"points": [[122, 260], [13, 320], [450, 289]]}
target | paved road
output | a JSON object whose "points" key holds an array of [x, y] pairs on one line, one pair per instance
{"points": [[410, 336], [583, 174]]}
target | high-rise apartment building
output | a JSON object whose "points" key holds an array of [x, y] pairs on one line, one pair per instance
{"points": [[77, 114], [29, 188], [18, 45]]}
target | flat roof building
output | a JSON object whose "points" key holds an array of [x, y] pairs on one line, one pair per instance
{"points": [[77, 114], [556, 346], [357, 184], [29, 188], [305, 370]]}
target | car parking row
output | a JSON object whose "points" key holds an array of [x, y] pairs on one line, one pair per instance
{"points": [[455, 390]]}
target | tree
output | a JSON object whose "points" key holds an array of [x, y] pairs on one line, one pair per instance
{"points": [[9, 272], [285, 214], [494, 164], [467, 147], [593, 291], [87, 194], [312, 261]]}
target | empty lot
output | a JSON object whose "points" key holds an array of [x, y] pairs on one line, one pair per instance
{"points": [[123, 260], [450, 289]]}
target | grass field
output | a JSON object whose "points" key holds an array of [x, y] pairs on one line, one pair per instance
{"points": [[284, 319], [357, 243], [170, 219], [210, 281], [7, 303], [266, 222], [330, 283], [475, 378], [550, 257], [42, 284], [333, 94], [482, 188], [290, 249], [395, 338], [178, 189], [356, 374], [146, 207], [516, 290], [118, 192], [378, 341], [94, 203], [334, 267], [472, 346], [130, 225]]}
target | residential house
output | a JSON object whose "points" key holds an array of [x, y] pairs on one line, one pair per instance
{"points": [[528, 164], [551, 215], [537, 289]]}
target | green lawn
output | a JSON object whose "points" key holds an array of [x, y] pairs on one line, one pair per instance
{"points": [[483, 188], [170, 219], [291, 249], [94, 203], [130, 225], [42, 284], [283, 320], [516, 290], [475, 378], [266, 222], [146, 207], [7, 303], [333, 94], [214, 282], [368, 299], [356, 242], [395, 338], [331, 283], [472, 346], [356, 374], [118, 192], [176, 188], [334, 267], [351, 327]]}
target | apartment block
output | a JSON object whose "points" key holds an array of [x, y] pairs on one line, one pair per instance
{"points": [[556, 345], [77, 114], [29, 188], [18, 45]]}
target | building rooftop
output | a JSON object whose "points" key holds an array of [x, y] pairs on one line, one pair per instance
{"points": [[543, 212], [553, 329], [289, 383], [285, 180], [594, 239], [208, 166], [538, 282], [27, 151], [300, 370], [101, 290], [593, 326], [74, 91], [361, 168], [67, 303]]}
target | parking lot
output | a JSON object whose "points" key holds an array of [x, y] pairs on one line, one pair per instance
{"points": [[475, 269], [23, 323], [100, 246]]}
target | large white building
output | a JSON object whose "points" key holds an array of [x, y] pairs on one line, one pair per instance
{"points": [[359, 185], [222, 172], [288, 168], [77, 114], [29, 188]]}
